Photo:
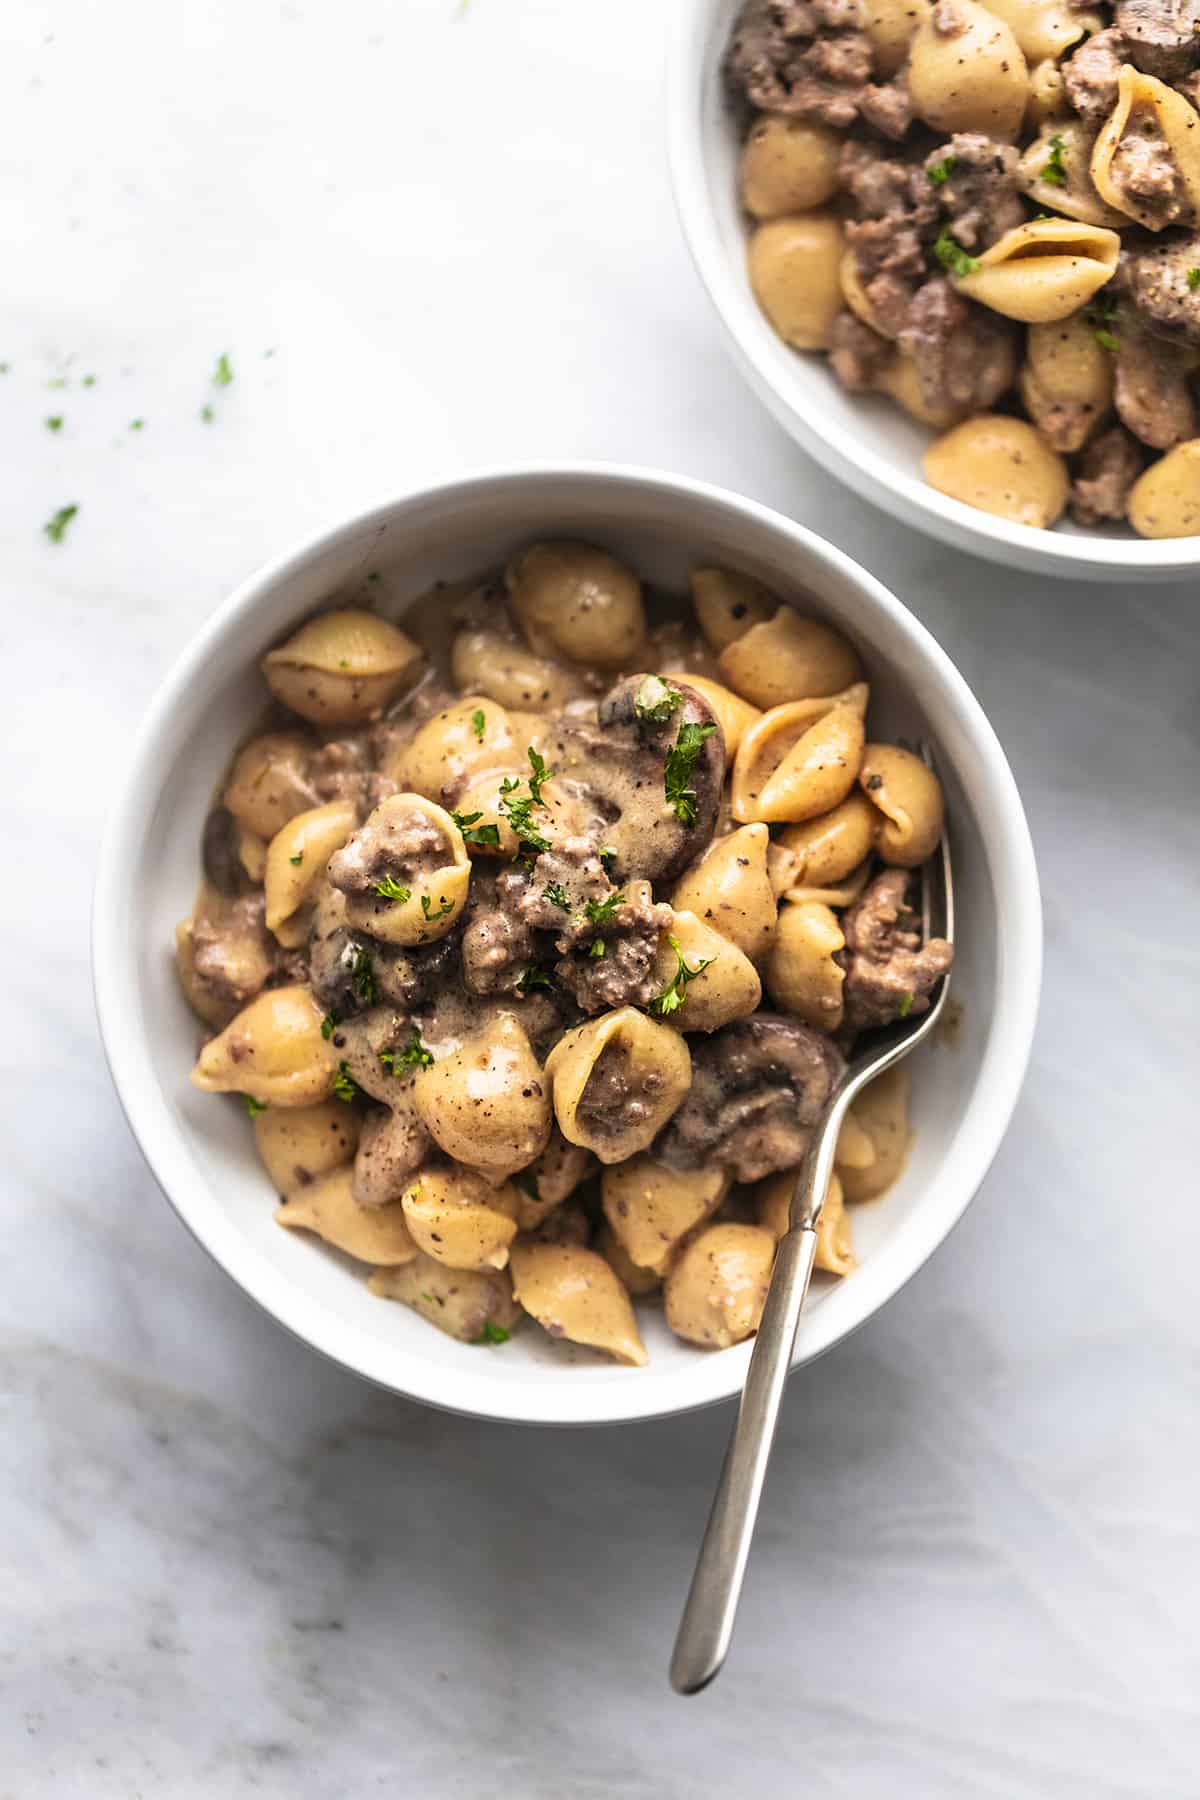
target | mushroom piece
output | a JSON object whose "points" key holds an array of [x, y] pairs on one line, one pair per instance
{"points": [[757, 1086], [652, 766]]}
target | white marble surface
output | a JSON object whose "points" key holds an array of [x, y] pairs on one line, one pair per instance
{"points": [[226, 1568]]}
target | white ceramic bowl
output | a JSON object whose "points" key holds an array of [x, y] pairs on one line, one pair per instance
{"points": [[200, 1148], [864, 439]]}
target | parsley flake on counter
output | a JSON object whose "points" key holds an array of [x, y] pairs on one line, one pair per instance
{"points": [[390, 889], [54, 423], [479, 722], [656, 700], [207, 414], [1193, 279], [223, 373], [472, 831], [675, 992], [533, 978], [414, 1055], [344, 1085], [939, 174], [447, 906], [88, 381], [678, 770], [252, 1106], [362, 975], [329, 1025], [56, 528], [137, 424], [297, 859], [952, 256], [493, 1334], [604, 912], [557, 895], [1054, 170]]}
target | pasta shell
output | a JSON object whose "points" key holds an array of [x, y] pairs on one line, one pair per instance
{"points": [[733, 715], [1064, 147], [1149, 115], [1067, 381], [1046, 269], [727, 604], [327, 1207], [793, 265], [574, 1294], [486, 1104], [909, 795], [297, 855], [730, 890], [300, 1144], [1002, 466], [650, 1208], [616, 1082], [835, 1246], [573, 600], [453, 747], [636, 1280], [790, 657], [269, 782], [717, 1287], [882, 1112], [802, 976], [1165, 501], [484, 662], [1042, 28], [465, 1304], [792, 765], [825, 849], [273, 1051], [342, 667], [727, 988], [459, 1219], [966, 71], [433, 883]]}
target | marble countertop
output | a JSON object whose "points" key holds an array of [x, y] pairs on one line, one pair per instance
{"points": [[429, 237]]}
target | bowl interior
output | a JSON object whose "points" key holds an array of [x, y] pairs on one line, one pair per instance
{"points": [[876, 449], [201, 1148]]}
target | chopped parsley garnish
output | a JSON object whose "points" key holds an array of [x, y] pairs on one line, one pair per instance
{"points": [[906, 1004], [607, 855], [1107, 340], [533, 978], [473, 832], [519, 814], [678, 770], [89, 381], [55, 422], [390, 889], [656, 700], [362, 975], [223, 373], [329, 1025], [1102, 316], [414, 1055], [599, 948], [297, 859], [447, 906], [253, 1106], [137, 424], [675, 992], [604, 912], [939, 172], [1193, 279], [952, 256], [557, 895], [1054, 170], [344, 1084], [56, 527], [493, 1334], [479, 722], [540, 773]]}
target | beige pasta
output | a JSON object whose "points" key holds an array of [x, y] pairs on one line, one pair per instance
{"points": [[794, 265], [252, 853], [412, 860], [575, 601], [798, 761], [486, 1104], [826, 849], [966, 71], [546, 1183], [1042, 28], [1045, 269], [835, 1245], [891, 26], [1048, 102], [487, 663], [300, 1144], [789, 657], [1164, 502], [716, 1289], [909, 795], [856, 296], [900, 381], [269, 782], [1001, 466], [327, 1208], [273, 1051], [1067, 381], [1056, 172], [855, 1149], [474, 1306], [473, 735], [651, 1208], [209, 1006], [297, 855], [730, 890], [342, 667], [727, 984], [788, 166], [802, 975], [637, 1281], [727, 604], [1149, 116], [882, 1112], [459, 1219], [573, 1293], [600, 1069], [733, 715]]}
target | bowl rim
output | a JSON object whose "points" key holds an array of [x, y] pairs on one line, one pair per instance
{"points": [[163, 1144], [870, 475]]}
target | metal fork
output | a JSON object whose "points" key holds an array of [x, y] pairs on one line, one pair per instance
{"points": [[708, 1617]]}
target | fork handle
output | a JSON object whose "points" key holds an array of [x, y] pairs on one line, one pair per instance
{"points": [[707, 1624]]}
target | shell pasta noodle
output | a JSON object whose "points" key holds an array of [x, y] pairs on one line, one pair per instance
{"points": [[533, 941], [988, 212]]}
